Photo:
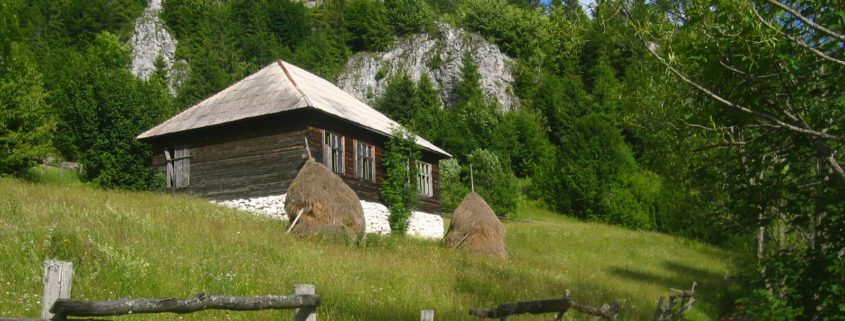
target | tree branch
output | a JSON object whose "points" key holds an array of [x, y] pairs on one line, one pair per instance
{"points": [[806, 20], [797, 40], [836, 167], [760, 115]]}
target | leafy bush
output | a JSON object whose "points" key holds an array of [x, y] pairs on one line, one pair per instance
{"points": [[521, 139], [596, 176], [452, 188], [494, 182], [101, 108], [399, 189]]}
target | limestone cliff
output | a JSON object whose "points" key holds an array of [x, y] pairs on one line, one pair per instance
{"points": [[151, 40], [441, 57]]}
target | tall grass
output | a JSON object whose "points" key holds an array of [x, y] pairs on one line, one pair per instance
{"points": [[127, 244]]}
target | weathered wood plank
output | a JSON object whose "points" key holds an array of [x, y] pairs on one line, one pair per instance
{"points": [[533, 307], [57, 280], [305, 313], [545, 306], [194, 304], [427, 315]]}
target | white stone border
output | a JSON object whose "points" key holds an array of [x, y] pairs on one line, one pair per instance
{"points": [[421, 224]]}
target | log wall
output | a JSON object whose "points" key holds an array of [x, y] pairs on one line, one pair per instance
{"points": [[261, 156], [366, 190], [258, 158]]}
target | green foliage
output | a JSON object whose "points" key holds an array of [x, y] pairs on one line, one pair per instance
{"points": [[517, 31], [473, 119], [366, 25], [75, 23], [523, 142], [452, 188], [323, 54], [493, 181], [399, 188], [765, 306], [399, 99], [560, 100], [26, 126], [596, 176], [409, 16], [606, 89], [415, 105], [102, 108]]}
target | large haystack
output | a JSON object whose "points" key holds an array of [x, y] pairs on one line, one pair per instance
{"points": [[476, 228], [328, 205]]}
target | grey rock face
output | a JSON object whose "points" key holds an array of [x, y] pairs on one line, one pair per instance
{"points": [[151, 40], [441, 57]]}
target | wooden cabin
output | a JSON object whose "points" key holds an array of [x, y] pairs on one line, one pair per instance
{"points": [[250, 140]]}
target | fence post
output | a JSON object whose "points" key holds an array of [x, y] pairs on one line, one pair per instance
{"points": [[304, 314], [57, 279], [427, 315]]}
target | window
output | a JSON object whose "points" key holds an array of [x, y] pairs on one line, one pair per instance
{"points": [[424, 185], [333, 152], [365, 161], [178, 166]]}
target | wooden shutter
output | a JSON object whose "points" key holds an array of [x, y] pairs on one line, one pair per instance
{"points": [[357, 159], [327, 150], [168, 168], [182, 177]]}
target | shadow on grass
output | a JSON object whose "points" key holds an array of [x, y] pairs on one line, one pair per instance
{"points": [[490, 284], [680, 276]]}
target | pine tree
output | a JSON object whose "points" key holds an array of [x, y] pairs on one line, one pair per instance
{"points": [[399, 101], [26, 127]]}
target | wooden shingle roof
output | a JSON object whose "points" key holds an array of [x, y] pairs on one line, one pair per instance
{"points": [[276, 88]]}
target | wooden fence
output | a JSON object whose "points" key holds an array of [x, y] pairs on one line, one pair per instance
{"points": [[58, 306], [559, 306], [674, 309]]}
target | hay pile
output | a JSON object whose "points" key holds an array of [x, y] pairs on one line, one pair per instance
{"points": [[329, 206], [476, 228]]}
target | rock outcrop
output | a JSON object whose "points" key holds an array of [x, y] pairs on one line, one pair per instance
{"points": [[441, 57], [151, 40]]}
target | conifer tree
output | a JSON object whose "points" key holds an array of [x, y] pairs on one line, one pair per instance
{"points": [[26, 126]]}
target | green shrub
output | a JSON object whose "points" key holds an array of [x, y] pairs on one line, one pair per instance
{"points": [[596, 176], [399, 189], [452, 188], [101, 107], [494, 182]]}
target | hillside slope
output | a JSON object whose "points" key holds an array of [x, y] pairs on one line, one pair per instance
{"points": [[155, 245]]}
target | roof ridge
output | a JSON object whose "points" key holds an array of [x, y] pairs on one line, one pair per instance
{"points": [[290, 78]]}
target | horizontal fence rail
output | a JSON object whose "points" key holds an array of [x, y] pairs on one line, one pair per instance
{"points": [[57, 305], [197, 303], [559, 306]]}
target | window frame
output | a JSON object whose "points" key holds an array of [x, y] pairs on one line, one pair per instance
{"points": [[425, 180], [369, 159], [328, 150]]}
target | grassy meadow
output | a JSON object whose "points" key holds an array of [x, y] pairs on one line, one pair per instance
{"points": [[131, 244]]}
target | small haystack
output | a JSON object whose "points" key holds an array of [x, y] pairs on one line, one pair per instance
{"points": [[476, 228], [325, 203]]}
